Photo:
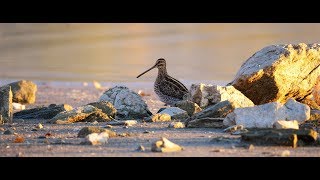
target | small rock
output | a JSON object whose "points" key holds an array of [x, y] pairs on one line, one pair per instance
{"points": [[13, 128], [146, 132], [125, 127], [109, 126], [6, 109], [48, 134], [125, 134], [207, 94], [94, 122], [188, 106], [285, 153], [234, 128], [251, 147], [106, 107], [219, 110], [24, 92], [176, 125], [285, 137], [130, 122], [164, 145], [18, 106], [239, 132], [314, 115], [20, 154], [97, 85], [161, 117], [141, 148], [206, 123], [19, 139], [96, 139], [93, 129], [175, 113], [283, 124], [34, 129], [218, 150], [39, 126], [142, 93], [8, 132], [42, 112], [86, 113], [2, 129], [85, 84], [121, 123]]}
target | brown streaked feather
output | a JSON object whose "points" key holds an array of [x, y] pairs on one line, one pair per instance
{"points": [[172, 87]]}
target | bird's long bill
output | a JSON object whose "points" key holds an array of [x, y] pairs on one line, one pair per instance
{"points": [[146, 71]]}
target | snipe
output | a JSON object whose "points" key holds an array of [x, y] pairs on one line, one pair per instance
{"points": [[168, 89]]}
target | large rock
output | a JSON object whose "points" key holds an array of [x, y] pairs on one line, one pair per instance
{"points": [[106, 107], [188, 106], [175, 113], [219, 110], [207, 94], [24, 91], [86, 113], [6, 108], [264, 116], [42, 112], [128, 103], [279, 72]]}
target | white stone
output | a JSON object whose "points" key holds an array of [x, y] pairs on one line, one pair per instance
{"points": [[128, 103], [18, 106], [207, 94], [264, 116], [97, 139], [283, 124]]}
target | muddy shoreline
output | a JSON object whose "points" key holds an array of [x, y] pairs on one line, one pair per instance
{"points": [[63, 140]]}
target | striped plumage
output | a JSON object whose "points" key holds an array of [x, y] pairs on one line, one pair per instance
{"points": [[168, 89]]}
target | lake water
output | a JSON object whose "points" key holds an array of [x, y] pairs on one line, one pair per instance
{"points": [[119, 52]]}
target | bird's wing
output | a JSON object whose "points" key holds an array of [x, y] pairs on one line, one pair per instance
{"points": [[172, 87]]}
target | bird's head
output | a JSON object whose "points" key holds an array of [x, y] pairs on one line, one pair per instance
{"points": [[160, 64]]}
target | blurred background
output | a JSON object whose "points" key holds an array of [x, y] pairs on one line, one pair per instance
{"points": [[119, 52]]}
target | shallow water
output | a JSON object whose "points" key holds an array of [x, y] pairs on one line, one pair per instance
{"points": [[119, 52]]}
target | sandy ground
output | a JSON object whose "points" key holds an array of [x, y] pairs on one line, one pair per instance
{"points": [[63, 140]]}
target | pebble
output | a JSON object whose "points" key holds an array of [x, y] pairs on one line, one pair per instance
{"points": [[141, 148], [285, 153], [7, 132], [251, 147], [218, 150]]}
